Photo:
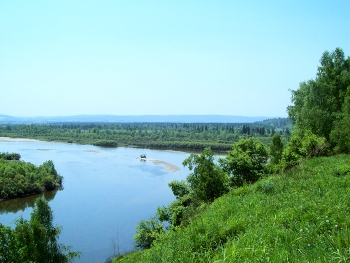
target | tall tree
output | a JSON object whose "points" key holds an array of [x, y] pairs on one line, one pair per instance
{"points": [[245, 162], [276, 149], [318, 102], [208, 180]]}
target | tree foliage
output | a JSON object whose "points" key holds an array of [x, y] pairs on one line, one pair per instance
{"points": [[179, 188], [18, 178], [147, 231], [10, 156], [34, 240], [302, 146], [276, 149], [322, 105], [217, 136], [208, 180], [245, 162]]}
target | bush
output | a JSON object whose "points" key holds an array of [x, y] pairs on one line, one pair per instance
{"points": [[276, 149], [208, 181], [147, 231], [105, 143], [179, 188], [246, 161], [302, 146], [10, 156]]}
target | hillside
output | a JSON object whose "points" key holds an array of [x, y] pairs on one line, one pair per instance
{"points": [[298, 216]]}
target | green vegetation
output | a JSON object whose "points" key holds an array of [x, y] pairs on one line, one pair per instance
{"points": [[276, 149], [288, 204], [322, 105], [245, 163], [10, 156], [105, 143], [217, 136], [18, 178], [34, 240], [297, 213], [298, 216], [208, 181]]}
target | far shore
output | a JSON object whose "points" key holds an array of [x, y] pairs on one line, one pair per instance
{"points": [[168, 166]]}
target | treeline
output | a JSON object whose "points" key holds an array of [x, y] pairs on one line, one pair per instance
{"points": [[19, 178], [217, 136], [10, 156]]}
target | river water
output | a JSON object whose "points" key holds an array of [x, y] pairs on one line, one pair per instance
{"points": [[107, 191]]}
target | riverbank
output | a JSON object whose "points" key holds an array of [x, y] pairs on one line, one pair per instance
{"points": [[168, 166], [8, 139]]}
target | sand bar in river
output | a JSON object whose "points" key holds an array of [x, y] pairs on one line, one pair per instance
{"points": [[168, 166], [7, 139]]}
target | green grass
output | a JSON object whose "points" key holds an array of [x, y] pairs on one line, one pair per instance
{"points": [[302, 215]]}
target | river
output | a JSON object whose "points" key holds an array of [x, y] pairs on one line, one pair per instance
{"points": [[107, 191]]}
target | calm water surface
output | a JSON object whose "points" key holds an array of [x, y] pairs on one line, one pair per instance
{"points": [[106, 193]]}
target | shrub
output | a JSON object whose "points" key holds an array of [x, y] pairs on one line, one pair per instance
{"points": [[246, 161], [147, 231], [208, 181], [302, 146]]}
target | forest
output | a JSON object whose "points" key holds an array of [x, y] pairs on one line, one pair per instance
{"points": [[217, 136]]}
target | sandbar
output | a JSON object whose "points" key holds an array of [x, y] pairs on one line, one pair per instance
{"points": [[91, 151], [169, 167], [8, 139]]}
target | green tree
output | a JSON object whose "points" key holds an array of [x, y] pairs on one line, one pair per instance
{"points": [[340, 134], [207, 181], [276, 149], [147, 231], [245, 162], [179, 188], [8, 252], [318, 103], [34, 240], [302, 145]]}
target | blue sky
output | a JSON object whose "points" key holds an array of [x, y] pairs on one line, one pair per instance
{"points": [[129, 57]]}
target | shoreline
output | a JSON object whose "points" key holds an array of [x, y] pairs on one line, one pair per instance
{"points": [[169, 167], [8, 139]]}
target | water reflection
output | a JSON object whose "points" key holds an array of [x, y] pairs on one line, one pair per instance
{"points": [[20, 204]]}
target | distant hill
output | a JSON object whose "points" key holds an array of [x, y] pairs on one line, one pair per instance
{"points": [[5, 119]]}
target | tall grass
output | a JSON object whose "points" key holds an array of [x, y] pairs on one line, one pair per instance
{"points": [[302, 215]]}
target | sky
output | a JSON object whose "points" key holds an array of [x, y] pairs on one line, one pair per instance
{"points": [[173, 57]]}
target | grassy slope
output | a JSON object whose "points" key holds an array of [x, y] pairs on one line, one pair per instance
{"points": [[299, 216]]}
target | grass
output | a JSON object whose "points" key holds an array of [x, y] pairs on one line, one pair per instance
{"points": [[299, 216]]}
